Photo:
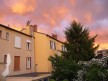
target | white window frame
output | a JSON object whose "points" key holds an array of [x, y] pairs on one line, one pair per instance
{"points": [[64, 48], [17, 42], [28, 62], [28, 45], [52, 45]]}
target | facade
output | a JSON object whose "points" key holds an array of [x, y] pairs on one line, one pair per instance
{"points": [[24, 54], [102, 52], [45, 46], [16, 52]]}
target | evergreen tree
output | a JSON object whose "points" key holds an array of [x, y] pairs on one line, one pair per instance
{"points": [[80, 46]]}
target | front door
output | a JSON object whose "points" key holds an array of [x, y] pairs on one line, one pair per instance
{"points": [[17, 63]]}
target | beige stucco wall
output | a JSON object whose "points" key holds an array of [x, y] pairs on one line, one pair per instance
{"points": [[8, 47], [2, 67], [43, 52]]}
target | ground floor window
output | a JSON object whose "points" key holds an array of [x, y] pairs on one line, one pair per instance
{"points": [[28, 62], [5, 58]]}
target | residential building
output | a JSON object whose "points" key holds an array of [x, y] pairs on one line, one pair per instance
{"points": [[46, 46], [24, 54], [16, 52], [103, 52]]}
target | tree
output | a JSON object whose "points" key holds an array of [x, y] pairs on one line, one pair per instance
{"points": [[80, 46], [63, 68]]}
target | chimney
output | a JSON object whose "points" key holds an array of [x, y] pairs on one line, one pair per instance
{"points": [[54, 36], [34, 28]]}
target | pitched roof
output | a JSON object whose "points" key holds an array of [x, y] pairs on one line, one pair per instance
{"points": [[14, 30], [50, 37]]}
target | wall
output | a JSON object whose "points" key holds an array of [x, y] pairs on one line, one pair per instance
{"points": [[43, 52], [2, 67], [8, 47]]}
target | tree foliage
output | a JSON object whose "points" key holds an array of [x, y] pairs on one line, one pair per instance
{"points": [[63, 68], [80, 47]]}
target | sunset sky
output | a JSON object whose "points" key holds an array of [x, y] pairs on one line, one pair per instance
{"points": [[53, 16]]}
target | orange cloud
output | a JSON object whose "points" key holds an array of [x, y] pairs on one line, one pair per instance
{"points": [[73, 2], [1, 17], [103, 46], [23, 6], [88, 17], [62, 11], [55, 15]]}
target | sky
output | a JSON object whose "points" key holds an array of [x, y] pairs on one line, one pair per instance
{"points": [[53, 16]]}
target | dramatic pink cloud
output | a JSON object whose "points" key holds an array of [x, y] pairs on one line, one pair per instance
{"points": [[53, 16], [23, 6]]}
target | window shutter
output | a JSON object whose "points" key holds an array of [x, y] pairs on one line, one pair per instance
{"points": [[54, 45], [17, 42], [28, 62], [50, 44]]}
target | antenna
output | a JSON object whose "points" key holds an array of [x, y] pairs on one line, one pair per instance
{"points": [[28, 23]]}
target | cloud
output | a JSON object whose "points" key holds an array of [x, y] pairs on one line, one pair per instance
{"points": [[88, 17], [51, 15], [101, 29], [22, 6]]}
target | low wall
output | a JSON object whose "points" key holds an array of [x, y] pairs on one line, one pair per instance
{"points": [[41, 77], [18, 79]]}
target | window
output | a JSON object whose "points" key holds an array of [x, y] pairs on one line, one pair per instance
{"points": [[52, 45], [17, 63], [17, 42], [0, 33], [28, 62], [7, 36], [58, 52], [28, 45], [5, 58], [64, 48]]}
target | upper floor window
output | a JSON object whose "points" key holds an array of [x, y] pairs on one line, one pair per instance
{"points": [[28, 45], [64, 48], [17, 42], [52, 45], [0, 33], [7, 36], [59, 52]]}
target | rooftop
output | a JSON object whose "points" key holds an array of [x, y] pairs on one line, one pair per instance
{"points": [[14, 30]]}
